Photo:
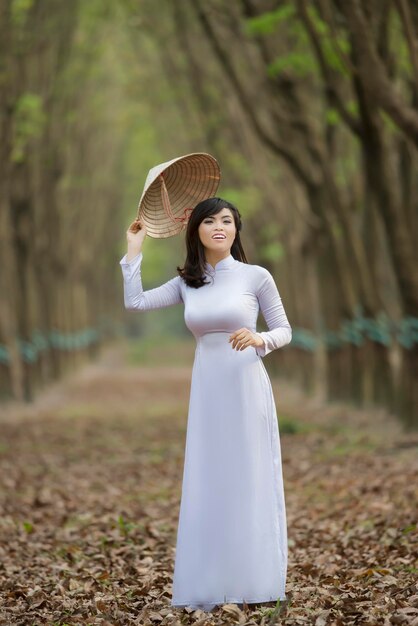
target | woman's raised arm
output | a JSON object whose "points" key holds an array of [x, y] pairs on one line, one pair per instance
{"points": [[134, 295]]}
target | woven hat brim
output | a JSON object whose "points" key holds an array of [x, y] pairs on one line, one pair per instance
{"points": [[188, 180]]}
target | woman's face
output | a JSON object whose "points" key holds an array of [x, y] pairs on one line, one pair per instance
{"points": [[217, 232]]}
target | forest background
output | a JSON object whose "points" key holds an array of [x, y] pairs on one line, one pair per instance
{"points": [[310, 107]]}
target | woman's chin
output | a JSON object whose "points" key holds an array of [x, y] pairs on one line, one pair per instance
{"points": [[219, 246]]}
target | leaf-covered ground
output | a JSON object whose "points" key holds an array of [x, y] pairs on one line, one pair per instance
{"points": [[90, 479]]}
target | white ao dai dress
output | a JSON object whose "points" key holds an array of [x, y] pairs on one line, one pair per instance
{"points": [[232, 536]]}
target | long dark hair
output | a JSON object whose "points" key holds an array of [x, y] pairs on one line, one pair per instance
{"points": [[194, 266]]}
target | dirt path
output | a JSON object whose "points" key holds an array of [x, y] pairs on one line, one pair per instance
{"points": [[90, 479]]}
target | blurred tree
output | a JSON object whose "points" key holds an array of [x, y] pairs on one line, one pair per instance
{"points": [[290, 96]]}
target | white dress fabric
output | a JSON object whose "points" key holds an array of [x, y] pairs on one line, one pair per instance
{"points": [[232, 534]]}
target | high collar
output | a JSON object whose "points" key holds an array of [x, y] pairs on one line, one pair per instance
{"points": [[223, 264]]}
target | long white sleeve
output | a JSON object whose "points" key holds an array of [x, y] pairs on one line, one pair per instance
{"points": [[135, 297], [280, 331]]}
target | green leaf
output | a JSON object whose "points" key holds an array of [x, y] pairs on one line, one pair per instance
{"points": [[388, 122], [409, 529], [301, 63], [332, 57], [332, 116], [124, 526], [331, 48], [19, 10], [268, 22], [28, 526], [272, 252], [29, 121]]}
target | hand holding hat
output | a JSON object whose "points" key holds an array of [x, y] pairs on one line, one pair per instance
{"points": [[172, 190], [136, 232], [135, 236]]}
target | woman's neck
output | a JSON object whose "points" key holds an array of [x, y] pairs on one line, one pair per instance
{"points": [[213, 258]]}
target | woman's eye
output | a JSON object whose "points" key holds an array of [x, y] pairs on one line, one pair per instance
{"points": [[210, 222]]}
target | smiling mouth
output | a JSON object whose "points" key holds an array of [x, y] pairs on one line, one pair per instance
{"points": [[218, 237]]}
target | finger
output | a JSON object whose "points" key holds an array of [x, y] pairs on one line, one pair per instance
{"points": [[237, 342], [243, 341], [238, 333], [246, 341], [239, 339], [135, 226]]}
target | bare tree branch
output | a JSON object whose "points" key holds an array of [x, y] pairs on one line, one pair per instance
{"points": [[332, 91], [280, 148], [373, 74], [410, 35]]}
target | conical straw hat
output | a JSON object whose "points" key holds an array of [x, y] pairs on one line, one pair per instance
{"points": [[172, 190]]}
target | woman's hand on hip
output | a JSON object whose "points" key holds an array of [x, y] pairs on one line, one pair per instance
{"points": [[242, 338]]}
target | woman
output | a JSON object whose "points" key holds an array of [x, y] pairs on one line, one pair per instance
{"points": [[232, 536]]}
